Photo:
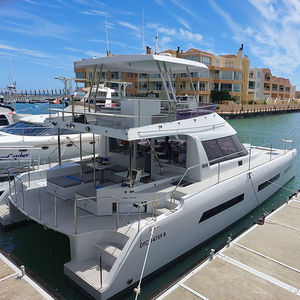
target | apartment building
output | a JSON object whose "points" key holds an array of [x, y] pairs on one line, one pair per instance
{"points": [[263, 85], [226, 72]]}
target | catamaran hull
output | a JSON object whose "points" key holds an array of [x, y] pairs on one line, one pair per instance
{"points": [[180, 231]]}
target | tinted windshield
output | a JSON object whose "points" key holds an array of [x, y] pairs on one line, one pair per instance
{"points": [[26, 129]]}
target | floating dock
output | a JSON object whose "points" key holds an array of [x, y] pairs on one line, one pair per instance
{"points": [[262, 263], [15, 284]]}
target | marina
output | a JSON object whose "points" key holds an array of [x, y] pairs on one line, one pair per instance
{"points": [[263, 262], [149, 150], [134, 201]]}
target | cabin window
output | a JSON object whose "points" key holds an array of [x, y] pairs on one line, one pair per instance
{"points": [[3, 120], [217, 209], [268, 182], [171, 150], [223, 149]]}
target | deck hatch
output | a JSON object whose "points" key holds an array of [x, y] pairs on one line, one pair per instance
{"points": [[216, 210], [268, 182]]}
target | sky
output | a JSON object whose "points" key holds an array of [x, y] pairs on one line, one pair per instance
{"points": [[40, 39]]}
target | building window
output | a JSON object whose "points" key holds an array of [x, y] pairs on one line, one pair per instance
{"points": [[80, 75], [226, 87], [192, 57], [141, 75], [227, 75], [236, 88], [217, 74], [229, 64], [237, 75], [217, 63], [154, 75], [258, 74], [251, 84], [201, 86], [205, 60], [155, 86], [200, 74]]}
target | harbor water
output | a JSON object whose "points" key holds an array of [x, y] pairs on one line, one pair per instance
{"points": [[45, 251]]}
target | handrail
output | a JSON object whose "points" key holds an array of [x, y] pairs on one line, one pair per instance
{"points": [[22, 185], [156, 157], [219, 160]]}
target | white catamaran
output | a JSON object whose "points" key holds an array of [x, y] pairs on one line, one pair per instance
{"points": [[171, 175]]}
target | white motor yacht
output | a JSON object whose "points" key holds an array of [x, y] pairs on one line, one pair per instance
{"points": [[8, 115], [171, 176], [29, 142]]}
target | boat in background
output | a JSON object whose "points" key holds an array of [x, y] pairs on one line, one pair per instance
{"points": [[29, 143], [170, 176]]}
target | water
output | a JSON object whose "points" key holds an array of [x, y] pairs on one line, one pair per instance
{"points": [[45, 251], [37, 108]]}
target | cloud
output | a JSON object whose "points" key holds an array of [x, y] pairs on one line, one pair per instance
{"points": [[118, 43], [272, 36], [90, 3], [183, 6], [54, 60], [178, 34], [31, 2], [94, 12], [93, 53], [165, 43], [22, 22], [182, 22], [160, 2], [24, 51], [129, 25]]}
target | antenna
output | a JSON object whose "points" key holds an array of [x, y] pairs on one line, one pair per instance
{"points": [[143, 34], [156, 43], [107, 44]]}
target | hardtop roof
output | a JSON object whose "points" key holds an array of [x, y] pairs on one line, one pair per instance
{"points": [[141, 63]]}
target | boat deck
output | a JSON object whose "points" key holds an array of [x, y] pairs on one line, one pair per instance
{"points": [[263, 263], [13, 286]]}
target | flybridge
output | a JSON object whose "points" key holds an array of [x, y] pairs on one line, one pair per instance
{"points": [[125, 113]]}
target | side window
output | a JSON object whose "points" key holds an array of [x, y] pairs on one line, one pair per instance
{"points": [[3, 120], [223, 149]]}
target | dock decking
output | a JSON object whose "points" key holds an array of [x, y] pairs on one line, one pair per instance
{"points": [[14, 286], [262, 263]]}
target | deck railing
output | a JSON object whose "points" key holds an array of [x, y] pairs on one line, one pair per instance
{"points": [[224, 161], [116, 110]]}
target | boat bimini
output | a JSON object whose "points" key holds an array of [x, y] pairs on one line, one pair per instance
{"points": [[171, 176]]}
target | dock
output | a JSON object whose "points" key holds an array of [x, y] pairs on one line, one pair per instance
{"points": [[15, 284], [262, 263], [235, 111]]}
